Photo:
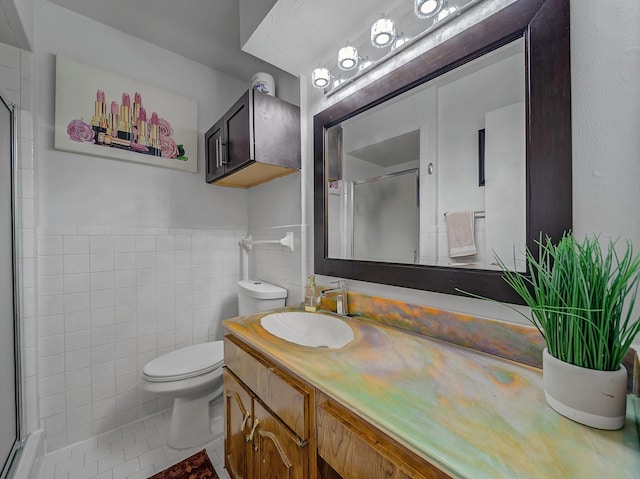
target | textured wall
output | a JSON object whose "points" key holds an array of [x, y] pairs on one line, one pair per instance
{"points": [[133, 260], [87, 190]]}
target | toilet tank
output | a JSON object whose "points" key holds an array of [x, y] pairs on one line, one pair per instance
{"points": [[255, 296]]}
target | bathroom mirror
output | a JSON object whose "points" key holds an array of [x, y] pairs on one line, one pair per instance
{"points": [[478, 127], [454, 143]]}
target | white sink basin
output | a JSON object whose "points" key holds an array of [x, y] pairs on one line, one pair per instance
{"points": [[309, 329]]}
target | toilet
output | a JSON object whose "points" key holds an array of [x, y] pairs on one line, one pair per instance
{"points": [[193, 375]]}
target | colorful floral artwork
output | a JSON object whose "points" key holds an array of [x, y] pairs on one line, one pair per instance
{"points": [[127, 128], [100, 118]]}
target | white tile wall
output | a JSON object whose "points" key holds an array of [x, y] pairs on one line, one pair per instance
{"points": [[109, 301], [10, 58], [15, 81]]}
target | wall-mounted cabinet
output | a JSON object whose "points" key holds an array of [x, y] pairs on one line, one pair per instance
{"points": [[257, 140]]}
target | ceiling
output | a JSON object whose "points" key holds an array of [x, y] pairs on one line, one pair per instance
{"points": [[299, 35], [291, 35], [392, 151], [12, 32], [206, 31], [285, 38]]}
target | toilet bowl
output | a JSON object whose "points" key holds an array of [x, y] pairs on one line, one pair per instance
{"points": [[193, 377]]}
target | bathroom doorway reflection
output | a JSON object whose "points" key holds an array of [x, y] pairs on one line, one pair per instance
{"points": [[10, 434]]}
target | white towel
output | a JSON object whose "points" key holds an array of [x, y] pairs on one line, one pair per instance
{"points": [[460, 233]]}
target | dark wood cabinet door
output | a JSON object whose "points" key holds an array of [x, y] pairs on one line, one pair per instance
{"points": [[278, 453], [238, 134], [215, 154], [238, 420], [257, 140]]}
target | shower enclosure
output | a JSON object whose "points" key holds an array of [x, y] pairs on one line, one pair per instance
{"points": [[10, 400], [386, 217]]}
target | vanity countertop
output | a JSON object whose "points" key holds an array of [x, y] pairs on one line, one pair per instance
{"points": [[474, 415]]}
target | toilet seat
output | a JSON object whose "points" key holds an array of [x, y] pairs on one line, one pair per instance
{"points": [[185, 363]]}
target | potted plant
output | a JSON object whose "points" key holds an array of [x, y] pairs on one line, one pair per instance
{"points": [[582, 303]]}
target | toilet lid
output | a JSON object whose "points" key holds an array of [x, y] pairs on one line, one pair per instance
{"points": [[185, 363]]}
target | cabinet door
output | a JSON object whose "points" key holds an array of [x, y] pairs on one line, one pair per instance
{"points": [[354, 449], [285, 396], [278, 453], [238, 420], [215, 152], [239, 147]]}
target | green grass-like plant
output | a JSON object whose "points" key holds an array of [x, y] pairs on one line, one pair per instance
{"points": [[578, 298]]}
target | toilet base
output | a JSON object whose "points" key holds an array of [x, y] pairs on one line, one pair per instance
{"points": [[190, 423]]}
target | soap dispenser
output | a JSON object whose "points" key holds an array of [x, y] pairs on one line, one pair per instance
{"points": [[311, 301]]}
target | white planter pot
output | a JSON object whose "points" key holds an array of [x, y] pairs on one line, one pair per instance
{"points": [[595, 398]]}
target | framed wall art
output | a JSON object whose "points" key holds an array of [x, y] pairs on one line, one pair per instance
{"points": [[106, 114]]}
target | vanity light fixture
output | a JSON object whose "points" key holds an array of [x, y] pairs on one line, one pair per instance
{"points": [[383, 32], [348, 58], [399, 41], [426, 8], [320, 77]]}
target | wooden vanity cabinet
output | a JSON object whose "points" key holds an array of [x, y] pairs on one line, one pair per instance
{"points": [[257, 140], [278, 426], [354, 449], [267, 421]]}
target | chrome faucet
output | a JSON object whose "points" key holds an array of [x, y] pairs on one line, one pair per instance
{"points": [[340, 293]]}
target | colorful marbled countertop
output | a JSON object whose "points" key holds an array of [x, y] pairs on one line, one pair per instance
{"points": [[472, 414]]}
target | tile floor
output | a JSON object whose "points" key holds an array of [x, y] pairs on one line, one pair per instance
{"points": [[135, 451]]}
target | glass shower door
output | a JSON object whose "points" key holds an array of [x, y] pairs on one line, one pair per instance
{"points": [[386, 218], [9, 363]]}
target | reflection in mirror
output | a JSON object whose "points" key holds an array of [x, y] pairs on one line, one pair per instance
{"points": [[381, 215], [404, 177]]}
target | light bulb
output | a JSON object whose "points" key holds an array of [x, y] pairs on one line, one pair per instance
{"points": [[347, 58], [426, 8], [444, 13], [383, 32], [320, 77]]}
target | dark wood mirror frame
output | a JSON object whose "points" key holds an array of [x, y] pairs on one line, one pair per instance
{"points": [[544, 26]]}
